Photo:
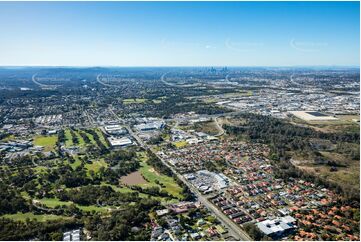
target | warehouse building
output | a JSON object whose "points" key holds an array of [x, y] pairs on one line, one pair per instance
{"points": [[312, 116], [120, 142], [278, 227], [150, 126], [115, 129]]}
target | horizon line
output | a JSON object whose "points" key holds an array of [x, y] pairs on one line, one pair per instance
{"points": [[199, 66]]}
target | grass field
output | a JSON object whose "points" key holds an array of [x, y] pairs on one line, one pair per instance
{"points": [[10, 137], [76, 163], [135, 100], [152, 176], [40, 169], [345, 174], [53, 202], [68, 138], [240, 93], [25, 195], [124, 189], [101, 137], [180, 144], [38, 217], [80, 139], [96, 165], [93, 208], [211, 100], [349, 176], [81, 142], [345, 123], [207, 127], [48, 142], [90, 137]]}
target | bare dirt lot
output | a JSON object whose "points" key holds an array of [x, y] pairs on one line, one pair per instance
{"points": [[134, 178]]}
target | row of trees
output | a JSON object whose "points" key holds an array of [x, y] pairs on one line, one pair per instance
{"points": [[96, 195], [103, 149]]}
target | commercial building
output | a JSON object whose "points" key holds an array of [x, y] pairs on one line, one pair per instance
{"points": [[150, 126], [115, 129], [73, 235], [277, 227], [206, 181], [312, 116], [120, 142]]}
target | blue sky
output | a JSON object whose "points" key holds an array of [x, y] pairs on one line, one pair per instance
{"points": [[179, 33]]}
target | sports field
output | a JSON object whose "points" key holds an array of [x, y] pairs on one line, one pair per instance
{"points": [[48, 142]]}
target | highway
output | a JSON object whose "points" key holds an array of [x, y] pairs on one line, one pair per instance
{"points": [[175, 85], [227, 78], [33, 78], [233, 229], [219, 127], [104, 84]]}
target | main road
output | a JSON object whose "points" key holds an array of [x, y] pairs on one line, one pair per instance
{"points": [[219, 127], [103, 83], [33, 78], [233, 229]]}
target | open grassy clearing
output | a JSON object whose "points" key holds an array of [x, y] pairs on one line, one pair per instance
{"points": [[40, 169], [10, 137], [48, 142], [349, 117], [134, 100], [68, 138], [94, 208], [211, 100], [343, 124], [90, 136], [180, 144], [343, 176], [152, 176], [124, 189], [53, 202], [76, 163], [38, 217], [166, 137], [25, 195], [81, 143], [101, 137], [216, 98], [347, 174], [80, 139], [207, 127], [159, 100], [96, 165]]}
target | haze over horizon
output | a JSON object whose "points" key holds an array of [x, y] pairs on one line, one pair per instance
{"points": [[147, 34]]}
